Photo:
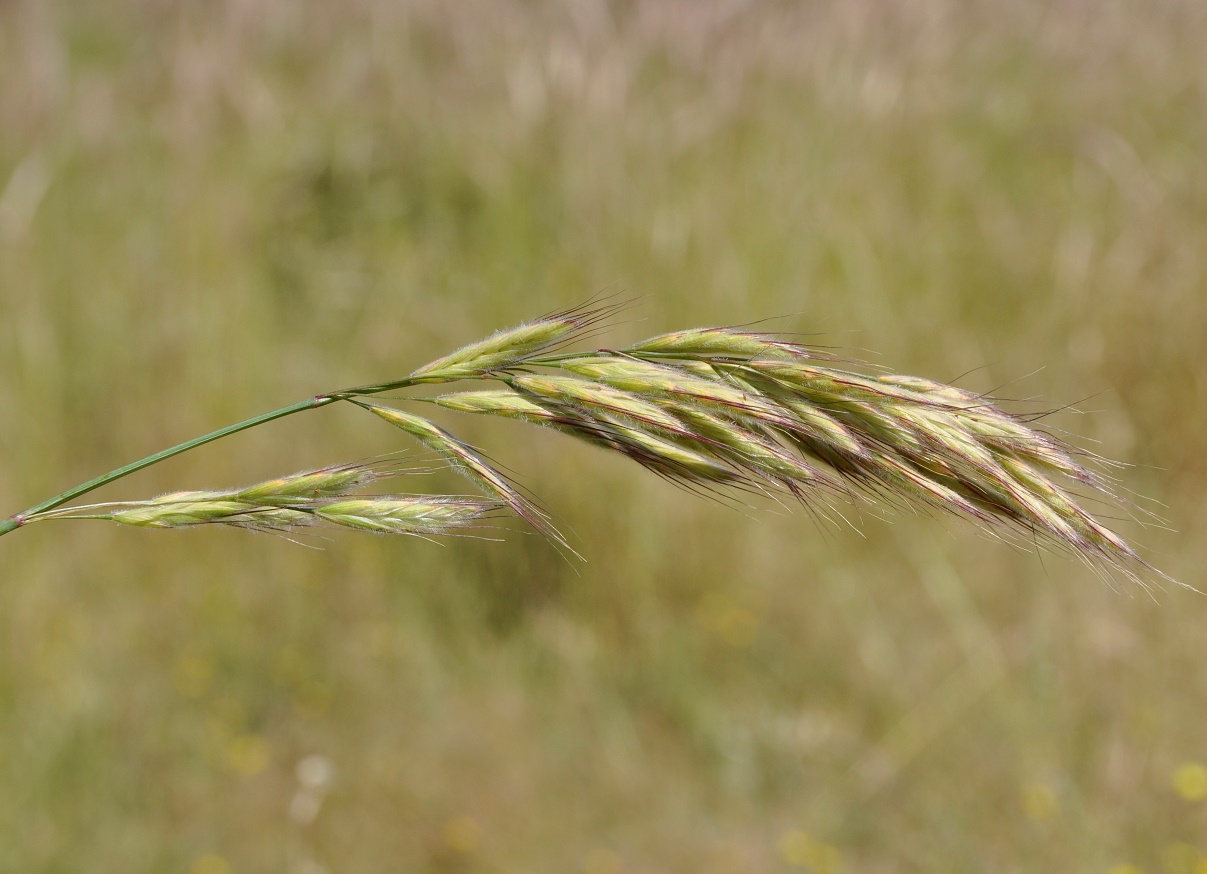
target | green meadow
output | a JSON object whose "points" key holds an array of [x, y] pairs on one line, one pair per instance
{"points": [[209, 210]]}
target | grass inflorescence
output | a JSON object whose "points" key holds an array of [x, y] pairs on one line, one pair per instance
{"points": [[709, 408]]}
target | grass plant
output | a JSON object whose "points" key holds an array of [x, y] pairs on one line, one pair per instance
{"points": [[708, 408]]}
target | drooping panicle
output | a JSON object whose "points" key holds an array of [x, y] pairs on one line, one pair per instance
{"points": [[711, 408]]}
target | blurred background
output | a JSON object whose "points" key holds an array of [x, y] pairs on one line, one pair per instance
{"points": [[208, 210]]}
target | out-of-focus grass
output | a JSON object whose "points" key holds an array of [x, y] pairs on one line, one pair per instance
{"points": [[208, 210]]}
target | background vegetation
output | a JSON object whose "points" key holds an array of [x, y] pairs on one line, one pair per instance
{"points": [[208, 210]]}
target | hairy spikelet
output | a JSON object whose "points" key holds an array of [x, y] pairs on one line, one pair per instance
{"points": [[297, 489], [594, 398], [311, 485], [668, 457], [199, 510], [495, 402], [428, 515], [424, 516], [508, 348], [470, 463], [720, 344], [747, 448], [663, 381]]}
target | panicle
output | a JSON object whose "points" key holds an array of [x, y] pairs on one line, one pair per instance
{"points": [[707, 407]]}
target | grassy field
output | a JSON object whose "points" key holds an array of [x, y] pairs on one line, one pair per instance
{"points": [[209, 210]]}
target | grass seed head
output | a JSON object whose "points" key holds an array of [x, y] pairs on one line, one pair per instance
{"points": [[495, 352], [494, 402], [310, 485], [470, 464], [671, 459], [511, 347], [423, 515], [741, 446], [570, 391], [184, 514], [660, 380], [713, 344]]}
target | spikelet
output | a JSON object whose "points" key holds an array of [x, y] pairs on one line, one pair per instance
{"points": [[575, 393], [199, 510], [720, 344], [945, 447], [472, 465], [495, 402], [428, 515], [296, 489], [658, 380], [264, 506], [508, 348], [308, 486]]}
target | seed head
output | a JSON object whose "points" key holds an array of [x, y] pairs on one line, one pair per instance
{"points": [[711, 407], [659, 380], [720, 344], [582, 393], [311, 485], [472, 465], [495, 402], [426, 515], [511, 347], [186, 513]]}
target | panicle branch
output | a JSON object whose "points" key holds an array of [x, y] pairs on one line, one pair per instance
{"points": [[309, 499]]}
